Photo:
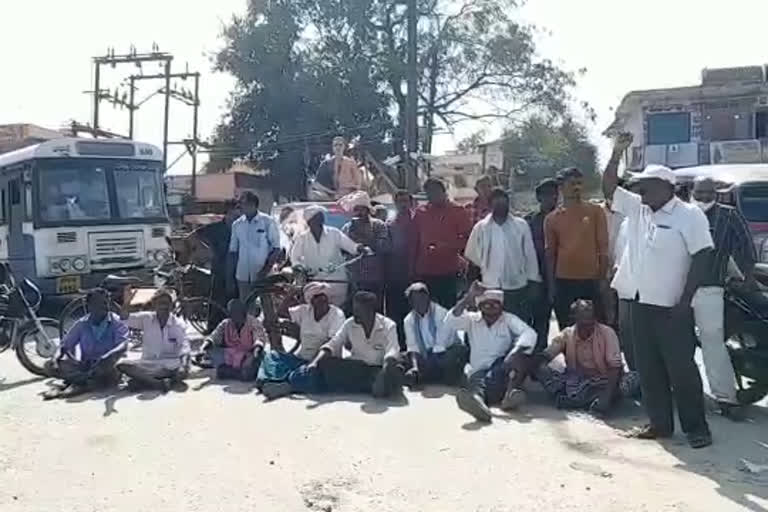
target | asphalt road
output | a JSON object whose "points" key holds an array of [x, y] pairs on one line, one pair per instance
{"points": [[219, 447]]}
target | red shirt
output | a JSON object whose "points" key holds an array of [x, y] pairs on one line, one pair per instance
{"points": [[438, 237]]}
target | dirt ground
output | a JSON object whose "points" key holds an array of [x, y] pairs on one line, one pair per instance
{"points": [[220, 448]]}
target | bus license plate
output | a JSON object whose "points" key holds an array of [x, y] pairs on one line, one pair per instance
{"points": [[68, 284]]}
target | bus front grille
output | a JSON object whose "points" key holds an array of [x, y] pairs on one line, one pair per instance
{"points": [[113, 249], [116, 246]]}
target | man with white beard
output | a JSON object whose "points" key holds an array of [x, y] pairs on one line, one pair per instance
{"points": [[732, 239]]}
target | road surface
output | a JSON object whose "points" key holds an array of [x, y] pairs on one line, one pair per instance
{"points": [[221, 448]]}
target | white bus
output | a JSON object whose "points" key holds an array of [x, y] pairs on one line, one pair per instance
{"points": [[74, 210]]}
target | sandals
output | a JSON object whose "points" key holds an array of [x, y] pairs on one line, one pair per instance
{"points": [[648, 432], [696, 440]]}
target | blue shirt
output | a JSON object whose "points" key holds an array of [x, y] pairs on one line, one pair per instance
{"points": [[95, 340], [253, 240]]}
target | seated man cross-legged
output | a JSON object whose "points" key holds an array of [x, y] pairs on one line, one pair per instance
{"points": [[374, 364], [500, 345], [236, 345], [317, 321], [435, 354], [593, 378], [164, 350], [90, 350]]}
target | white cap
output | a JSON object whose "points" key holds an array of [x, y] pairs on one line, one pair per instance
{"points": [[658, 172]]}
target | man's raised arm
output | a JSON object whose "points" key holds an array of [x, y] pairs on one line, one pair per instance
{"points": [[611, 173]]}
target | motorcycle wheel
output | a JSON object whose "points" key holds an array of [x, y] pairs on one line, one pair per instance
{"points": [[749, 390], [32, 351]]}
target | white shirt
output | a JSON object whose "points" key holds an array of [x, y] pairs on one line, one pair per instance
{"points": [[505, 253], [660, 244], [415, 321], [374, 350], [317, 257], [167, 343], [314, 334], [613, 221], [620, 245], [487, 344], [253, 240]]}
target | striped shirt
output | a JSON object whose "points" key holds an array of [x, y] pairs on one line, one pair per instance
{"points": [[732, 238]]}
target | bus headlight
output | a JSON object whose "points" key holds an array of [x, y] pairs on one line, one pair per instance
{"points": [[67, 264], [159, 256], [79, 264]]}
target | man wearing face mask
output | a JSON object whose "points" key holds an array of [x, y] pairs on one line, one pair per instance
{"points": [[732, 239]]}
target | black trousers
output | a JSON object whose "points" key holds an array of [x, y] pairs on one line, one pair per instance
{"points": [[443, 289], [352, 376], [570, 290], [220, 296], [397, 307], [664, 352], [542, 315], [517, 303], [443, 368], [626, 333]]}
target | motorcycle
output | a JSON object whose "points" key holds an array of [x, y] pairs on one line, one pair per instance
{"points": [[34, 339], [746, 334]]}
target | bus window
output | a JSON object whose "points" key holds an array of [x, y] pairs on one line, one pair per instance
{"points": [[73, 193], [3, 208], [138, 193], [28, 202], [15, 193]]}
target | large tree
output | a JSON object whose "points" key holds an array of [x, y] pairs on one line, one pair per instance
{"points": [[287, 104], [307, 65], [539, 147]]}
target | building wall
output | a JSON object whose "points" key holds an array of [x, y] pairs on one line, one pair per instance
{"points": [[730, 119]]}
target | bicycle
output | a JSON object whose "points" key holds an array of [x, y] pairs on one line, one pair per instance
{"points": [[273, 295], [196, 310], [278, 292]]}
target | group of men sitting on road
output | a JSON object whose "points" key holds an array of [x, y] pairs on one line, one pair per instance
{"points": [[407, 328], [498, 354]]}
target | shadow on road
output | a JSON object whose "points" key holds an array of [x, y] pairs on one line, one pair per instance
{"points": [[727, 462], [368, 404], [723, 462], [19, 383]]}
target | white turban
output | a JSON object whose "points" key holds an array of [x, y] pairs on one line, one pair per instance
{"points": [[312, 210], [359, 198], [315, 288], [489, 295]]}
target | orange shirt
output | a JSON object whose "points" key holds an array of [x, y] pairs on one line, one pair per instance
{"points": [[579, 236]]}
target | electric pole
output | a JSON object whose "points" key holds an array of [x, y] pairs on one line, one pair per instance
{"points": [[137, 59], [128, 100], [412, 100]]}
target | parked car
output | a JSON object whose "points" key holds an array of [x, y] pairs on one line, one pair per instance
{"points": [[743, 186]]}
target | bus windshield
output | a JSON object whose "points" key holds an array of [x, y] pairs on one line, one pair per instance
{"points": [[89, 190], [138, 192]]}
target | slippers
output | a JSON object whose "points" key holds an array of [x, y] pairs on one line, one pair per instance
{"points": [[647, 432]]}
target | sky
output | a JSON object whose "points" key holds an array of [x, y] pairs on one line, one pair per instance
{"points": [[47, 46]]}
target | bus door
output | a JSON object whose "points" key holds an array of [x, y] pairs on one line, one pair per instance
{"points": [[21, 248]]}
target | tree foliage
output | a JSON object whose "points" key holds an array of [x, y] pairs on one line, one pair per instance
{"points": [[287, 104], [309, 66], [471, 143], [539, 148]]}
